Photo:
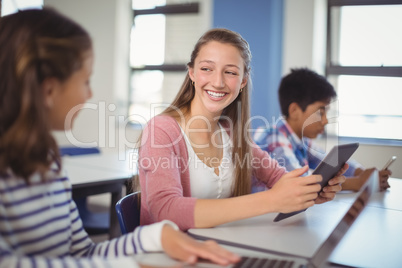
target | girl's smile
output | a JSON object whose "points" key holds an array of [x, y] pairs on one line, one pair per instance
{"points": [[216, 95]]}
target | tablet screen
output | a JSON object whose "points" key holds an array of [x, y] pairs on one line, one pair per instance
{"points": [[334, 161], [328, 168]]}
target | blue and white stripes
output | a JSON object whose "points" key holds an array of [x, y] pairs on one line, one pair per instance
{"points": [[40, 227]]}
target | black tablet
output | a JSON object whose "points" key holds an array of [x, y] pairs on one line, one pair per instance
{"points": [[328, 168]]}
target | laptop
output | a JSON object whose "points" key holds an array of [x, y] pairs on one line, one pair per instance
{"points": [[319, 259], [255, 257]]}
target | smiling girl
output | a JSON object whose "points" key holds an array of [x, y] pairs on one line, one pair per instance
{"points": [[197, 158]]}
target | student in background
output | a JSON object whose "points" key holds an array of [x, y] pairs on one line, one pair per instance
{"points": [[304, 96], [196, 159], [46, 63]]}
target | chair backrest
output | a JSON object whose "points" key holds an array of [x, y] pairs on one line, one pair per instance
{"points": [[128, 212]]}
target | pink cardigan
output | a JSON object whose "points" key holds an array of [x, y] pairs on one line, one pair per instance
{"points": [[165, 178]]}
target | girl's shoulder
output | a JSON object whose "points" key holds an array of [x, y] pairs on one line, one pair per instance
{"points": [[163, 131], [163, 119], [163, 127], [10, 183], [165, 122]]}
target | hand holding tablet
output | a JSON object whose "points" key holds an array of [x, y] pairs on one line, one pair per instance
{"points": [[328, 168]]}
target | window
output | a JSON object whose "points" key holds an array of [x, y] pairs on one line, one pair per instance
{"points": [[364, 63], [12, 6], [162, 38]]}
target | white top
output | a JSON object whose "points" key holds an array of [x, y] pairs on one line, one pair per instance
{"points": [[204, 182]]}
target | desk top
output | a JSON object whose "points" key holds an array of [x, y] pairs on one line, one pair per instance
{"points": [[373, 240], [112, 161], [388, 199], [86, 175], [93, 168]]}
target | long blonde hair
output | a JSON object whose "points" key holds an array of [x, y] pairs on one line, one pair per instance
{"points": [[236, 115]]}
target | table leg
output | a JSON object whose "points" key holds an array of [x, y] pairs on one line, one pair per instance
{"points": [[114, 230]]}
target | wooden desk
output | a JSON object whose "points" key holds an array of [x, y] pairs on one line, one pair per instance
{"points": [[374, 240], [97, 174]]}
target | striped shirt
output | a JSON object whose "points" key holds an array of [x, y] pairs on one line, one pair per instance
{"points": [[40, 227]]}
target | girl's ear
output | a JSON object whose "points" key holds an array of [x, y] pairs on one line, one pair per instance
{"points": [[294, 111], [191, 73], [50, 88], [244, 81]]}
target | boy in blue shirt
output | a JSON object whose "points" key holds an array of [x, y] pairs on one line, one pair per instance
{"points": [[304, 96]]}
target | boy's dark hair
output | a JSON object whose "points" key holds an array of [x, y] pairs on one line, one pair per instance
{"points": [[304, 87]]}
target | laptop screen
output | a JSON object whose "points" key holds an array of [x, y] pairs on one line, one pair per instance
{"points": [[361, 200]]}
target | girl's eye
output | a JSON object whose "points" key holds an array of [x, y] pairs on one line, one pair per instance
{"points": [[231, 73], [205, 69]]}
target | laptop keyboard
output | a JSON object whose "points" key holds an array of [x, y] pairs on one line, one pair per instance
{"points": [[252, 262]]}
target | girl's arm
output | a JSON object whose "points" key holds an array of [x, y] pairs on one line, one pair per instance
{"points": [[118, 252], [290, 193], [11, 259], [164, 175]]}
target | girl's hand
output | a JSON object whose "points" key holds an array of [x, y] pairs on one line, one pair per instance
{"points": [[294, 193], [184, 248], [334, 185]]}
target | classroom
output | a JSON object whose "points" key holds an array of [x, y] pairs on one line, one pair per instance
{"points": [[141, 49], [270, 43]]}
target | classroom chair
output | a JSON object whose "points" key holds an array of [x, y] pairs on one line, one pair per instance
{"points": [[128, 212], [94, 222]]}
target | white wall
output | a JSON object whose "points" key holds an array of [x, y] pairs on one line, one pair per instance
{"points": [[304, 46], [304, 35], [109, 24]]}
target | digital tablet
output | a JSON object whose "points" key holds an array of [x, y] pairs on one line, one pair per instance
{"points": [[328, 168]]}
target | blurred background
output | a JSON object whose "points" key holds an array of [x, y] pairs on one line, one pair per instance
{"points": [[142, 47]]}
